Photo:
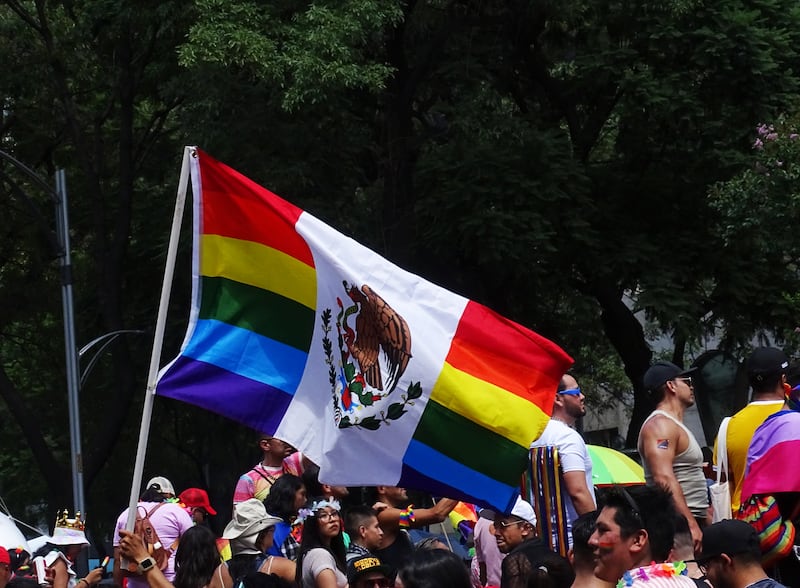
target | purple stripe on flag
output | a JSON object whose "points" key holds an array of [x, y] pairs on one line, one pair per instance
{"points": [[780, 426], [775, 444], [247, 401]]}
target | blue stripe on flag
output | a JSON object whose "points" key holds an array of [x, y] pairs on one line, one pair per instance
{"points": [[427, 463], [247, 354]]}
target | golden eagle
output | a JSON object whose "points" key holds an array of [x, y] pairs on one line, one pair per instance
{"points": [[378, 326]]}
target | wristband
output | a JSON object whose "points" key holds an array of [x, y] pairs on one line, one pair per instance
{"points": [[407, 517]]}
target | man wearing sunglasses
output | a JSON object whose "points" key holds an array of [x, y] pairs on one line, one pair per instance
{"points": [[671, 456], [515, 533], [576, 465], [731, 557]]}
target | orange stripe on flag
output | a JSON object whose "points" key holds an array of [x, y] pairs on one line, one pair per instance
{"points": [[506, 354]]}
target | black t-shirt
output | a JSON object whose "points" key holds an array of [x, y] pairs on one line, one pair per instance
{"points": [[398, 552]]}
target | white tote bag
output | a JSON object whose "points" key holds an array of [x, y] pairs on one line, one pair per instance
{"points": [[720, 491]]}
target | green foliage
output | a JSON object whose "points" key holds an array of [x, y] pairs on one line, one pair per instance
{"points": [[567, 163], [305, 50], [756, 210]]}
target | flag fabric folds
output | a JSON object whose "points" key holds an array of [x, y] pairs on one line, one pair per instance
{"points": [[377, 375], [775, 443]]}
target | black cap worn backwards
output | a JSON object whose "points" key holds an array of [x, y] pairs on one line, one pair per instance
{"points": [[765, 362], [730, 537]]}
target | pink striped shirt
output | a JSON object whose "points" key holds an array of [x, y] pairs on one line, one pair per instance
{"points": [[257, 482]]}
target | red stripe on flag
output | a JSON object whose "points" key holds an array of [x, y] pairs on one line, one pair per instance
{"points": [[235, 206], [499, 351]]}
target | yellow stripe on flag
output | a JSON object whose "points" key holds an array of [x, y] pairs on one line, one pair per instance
{"points": [[490, 406], [260, 266]]}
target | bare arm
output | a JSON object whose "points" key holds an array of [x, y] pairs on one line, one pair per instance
{"points": [[659, 445], [132, 548], [582, 500], [325, 579], [60, 574], [389, 518]]}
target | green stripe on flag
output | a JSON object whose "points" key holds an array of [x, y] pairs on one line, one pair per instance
{"points": [[467, 442], [257, 310]]}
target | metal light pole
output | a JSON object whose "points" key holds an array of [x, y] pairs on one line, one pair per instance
{"points": [[62, 251], [67, 303]]}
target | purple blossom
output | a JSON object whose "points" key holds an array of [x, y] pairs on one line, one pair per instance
{"points": [[771, 136], [793, 136], [762, 129], [759, 144]]}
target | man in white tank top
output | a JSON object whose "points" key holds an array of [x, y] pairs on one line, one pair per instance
{"points": [[670, 454]]}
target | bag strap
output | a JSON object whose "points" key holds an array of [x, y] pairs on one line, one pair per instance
{"points": [[722, 450], [269, 478], [155, 508]]}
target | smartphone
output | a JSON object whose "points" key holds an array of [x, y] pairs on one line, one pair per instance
{"points": [[104, 565]]}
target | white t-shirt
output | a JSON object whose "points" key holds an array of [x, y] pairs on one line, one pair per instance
{"points": [[317, 560], [170, 522], [574, 457]]}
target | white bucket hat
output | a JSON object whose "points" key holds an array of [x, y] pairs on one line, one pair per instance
{"points": [[249, 519], [68, 531]]}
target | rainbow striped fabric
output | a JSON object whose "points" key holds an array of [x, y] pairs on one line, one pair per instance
{"points": [[377, 375]]}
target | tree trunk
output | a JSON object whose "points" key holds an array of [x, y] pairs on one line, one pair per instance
{"points": [[627, 336]]}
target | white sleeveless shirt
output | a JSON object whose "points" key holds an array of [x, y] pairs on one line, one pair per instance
{"points": [[688, 469]]}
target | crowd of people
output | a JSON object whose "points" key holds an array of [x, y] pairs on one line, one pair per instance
{"points": [[289, 529]]}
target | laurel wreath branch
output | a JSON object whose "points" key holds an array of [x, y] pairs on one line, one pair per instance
{"points": [[327, 346], [394, 412]]}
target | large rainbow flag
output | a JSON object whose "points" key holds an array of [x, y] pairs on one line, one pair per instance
{"points": [[377, 375], [775, 444]]}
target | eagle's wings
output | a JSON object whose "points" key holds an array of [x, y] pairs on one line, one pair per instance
{"points": [[379, 327]]}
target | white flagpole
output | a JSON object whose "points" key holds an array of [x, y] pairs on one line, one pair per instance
{"points": [[158, 339]]}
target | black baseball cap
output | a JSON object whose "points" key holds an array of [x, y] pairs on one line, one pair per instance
{"points": [[766, 361], [661, 372], [730, 537], [366, 565]]}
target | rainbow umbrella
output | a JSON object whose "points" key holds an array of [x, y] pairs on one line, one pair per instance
{"points": [[611, 467]]}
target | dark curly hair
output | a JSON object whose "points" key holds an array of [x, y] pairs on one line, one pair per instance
{"points": [[280, 500], [196, 559]]}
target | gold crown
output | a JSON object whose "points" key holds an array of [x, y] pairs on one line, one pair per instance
{"points": [[63, 521]]}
